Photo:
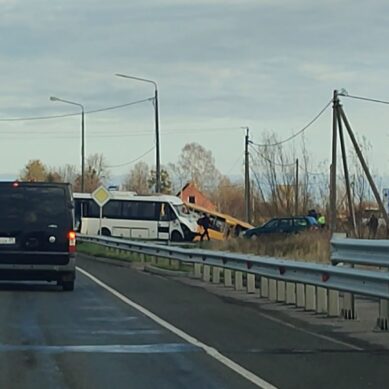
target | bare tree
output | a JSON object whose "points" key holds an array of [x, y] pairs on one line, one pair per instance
{"points": [[166, 184], [137, 179], [68, 173], [96, 170], [197, 165], [274, 165]]}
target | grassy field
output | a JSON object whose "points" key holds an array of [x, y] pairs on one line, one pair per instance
{"points": [[308, 246]]}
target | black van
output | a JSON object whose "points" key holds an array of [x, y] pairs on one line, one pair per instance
{"points": [[37, 239]]}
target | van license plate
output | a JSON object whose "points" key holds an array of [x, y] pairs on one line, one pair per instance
{"points": [[7, 240]]}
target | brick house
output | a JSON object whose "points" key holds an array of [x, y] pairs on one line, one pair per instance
{"points": [[190, 194]]}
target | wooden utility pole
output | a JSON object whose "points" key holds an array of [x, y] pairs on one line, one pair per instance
{"points": [[296, 189], [247, 207], [346, 175], [333, 164], [365, 168]]}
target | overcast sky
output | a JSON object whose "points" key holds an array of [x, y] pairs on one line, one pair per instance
{"points": [[220, 65]]}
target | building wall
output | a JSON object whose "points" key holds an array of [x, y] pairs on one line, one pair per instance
{"points": [[191, 194]]}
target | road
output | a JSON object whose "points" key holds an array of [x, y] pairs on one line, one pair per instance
{"points": [[96, 337]]}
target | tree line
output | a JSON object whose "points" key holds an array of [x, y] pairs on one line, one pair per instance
{"points": [[272, 169]]}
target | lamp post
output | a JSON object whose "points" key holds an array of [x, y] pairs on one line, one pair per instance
{"points": [[157, 156], [53, 98]]}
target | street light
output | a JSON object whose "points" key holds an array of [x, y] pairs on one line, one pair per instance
{"points": [[53, 98], [158, 164]]}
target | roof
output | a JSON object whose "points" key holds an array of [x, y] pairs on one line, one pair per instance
{"points": [[229, 218], [121, 195]]}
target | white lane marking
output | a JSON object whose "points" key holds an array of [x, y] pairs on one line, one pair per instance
{"points": [[162, 348], [211, 351], [325, 337]]}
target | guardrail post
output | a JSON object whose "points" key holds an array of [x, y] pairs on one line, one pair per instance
{"points": [[273, 290], [227, 277], [250, 283], [383, 318], [333, 303], [300, 295], [281, 291], [197, 270], [348, 307], [290, 293], [238, 280], [216, 275], [154, 260], [321, 300], [264, 287], [142, 258], [310, 298], [174, 263], [207, 273]]}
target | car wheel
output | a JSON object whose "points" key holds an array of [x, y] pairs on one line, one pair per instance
{"points": [[105, 232], [176, 237]]}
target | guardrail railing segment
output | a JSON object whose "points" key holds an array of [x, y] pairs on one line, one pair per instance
{"points": [[365, 282]]}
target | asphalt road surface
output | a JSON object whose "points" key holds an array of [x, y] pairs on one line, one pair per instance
{"points": [[149, 331]]}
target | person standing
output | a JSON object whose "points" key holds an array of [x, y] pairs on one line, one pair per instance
{"points": [[373, 226], [321, 221], [204, 222]]}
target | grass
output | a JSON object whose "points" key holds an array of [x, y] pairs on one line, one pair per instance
{"points": [[309, 246], [312, 246], [100, 251]]}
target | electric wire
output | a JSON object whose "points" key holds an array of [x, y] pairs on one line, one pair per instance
{"points": [[273, 162], [75, 113], [302, 130], [364, 98], [134, 160]]}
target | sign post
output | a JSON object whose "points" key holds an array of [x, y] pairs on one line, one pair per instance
{"points": [[101, 196]]}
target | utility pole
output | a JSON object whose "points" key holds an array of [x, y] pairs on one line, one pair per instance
{"points": [[157, 146], [296, 189], [333, 164], [365, 169], [247, 207], [346, 175]]}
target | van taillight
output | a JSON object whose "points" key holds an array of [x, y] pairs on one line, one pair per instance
{"points": [[72, 241]]}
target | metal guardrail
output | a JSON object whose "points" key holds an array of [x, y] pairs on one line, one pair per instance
{"points": [[360, 252], [356, 281]]}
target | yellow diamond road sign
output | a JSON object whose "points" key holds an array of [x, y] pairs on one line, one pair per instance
{"points": [[101, 196]]}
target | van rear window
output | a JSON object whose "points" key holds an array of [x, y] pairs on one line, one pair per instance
{"points": [[29, 205]]}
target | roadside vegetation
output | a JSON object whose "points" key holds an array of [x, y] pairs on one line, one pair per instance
{"points": [[105, 252], [307, 246]]}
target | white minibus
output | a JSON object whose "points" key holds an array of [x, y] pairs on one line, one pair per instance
{"points": [[128, 215]]}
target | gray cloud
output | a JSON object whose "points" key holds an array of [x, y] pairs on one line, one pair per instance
{"points": [[218, 64]]}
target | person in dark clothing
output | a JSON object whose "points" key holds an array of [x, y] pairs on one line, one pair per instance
{"points": [[313, 213], [204, 222], [373, 226]]}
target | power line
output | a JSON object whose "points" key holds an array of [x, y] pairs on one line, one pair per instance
{"points": [[134, 160], [298, 132], [363, 98], [273, 162], [95, 133], [76, 113], [235, 163]]}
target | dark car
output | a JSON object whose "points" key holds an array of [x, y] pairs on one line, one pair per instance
{"points": [[284, 225], [37, 241]]}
